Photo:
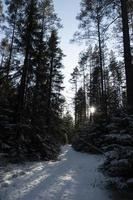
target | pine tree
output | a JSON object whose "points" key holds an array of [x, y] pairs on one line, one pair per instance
{"points": [[83, 66], [74, 82], [127, 56], [80, 103], [94, 24], [114, 85], [95, 87]]}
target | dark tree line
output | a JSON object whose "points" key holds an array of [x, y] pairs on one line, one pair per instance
{"points": [[31, 78], [107, 73], [108, 87]]}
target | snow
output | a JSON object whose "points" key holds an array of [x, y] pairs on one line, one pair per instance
{"points": [[118, 182], [75, 176], [130, 183]]}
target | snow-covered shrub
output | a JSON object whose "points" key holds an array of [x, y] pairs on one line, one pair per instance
{"points": [[115, 140]]}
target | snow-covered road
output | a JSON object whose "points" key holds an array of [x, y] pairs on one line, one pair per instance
{"points": [[74, 177]]}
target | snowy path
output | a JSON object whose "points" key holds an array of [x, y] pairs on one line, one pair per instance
{"points": [[74, 177]]}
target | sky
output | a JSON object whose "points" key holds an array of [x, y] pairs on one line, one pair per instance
{"points": [[67, 10]]}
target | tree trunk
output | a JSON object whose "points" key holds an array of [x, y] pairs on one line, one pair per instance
{"points": [[37, 75], [11, 48], [75, 109], [22, 87], [127, 57], [49, 95], [2, 59], [103, 103]]}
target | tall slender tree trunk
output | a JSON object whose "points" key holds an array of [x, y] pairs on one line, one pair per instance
{"points": [[22, 87], [25, 70], [49, 96], [127, 57], [2, 59], [1, 65], [103, 103], [84, 88], [105, 81], [23, 81], [100, 60], [75, 109], [90, 101], [11, 48]]}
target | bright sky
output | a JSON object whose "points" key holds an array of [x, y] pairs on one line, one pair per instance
{"points": [[67, 10]]}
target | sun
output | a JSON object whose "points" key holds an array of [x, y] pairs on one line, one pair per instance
{"points": [[92, 109]]}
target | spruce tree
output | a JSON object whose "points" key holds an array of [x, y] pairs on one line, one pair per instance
{"points": [[54, 80]]}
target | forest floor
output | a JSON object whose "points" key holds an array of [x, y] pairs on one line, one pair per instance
{"points": [[75, 176]]}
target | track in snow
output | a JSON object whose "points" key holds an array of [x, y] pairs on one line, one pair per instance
{"points": [[74, 177]]}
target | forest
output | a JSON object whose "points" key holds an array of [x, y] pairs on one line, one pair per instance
{"points": [[33, 122]]}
